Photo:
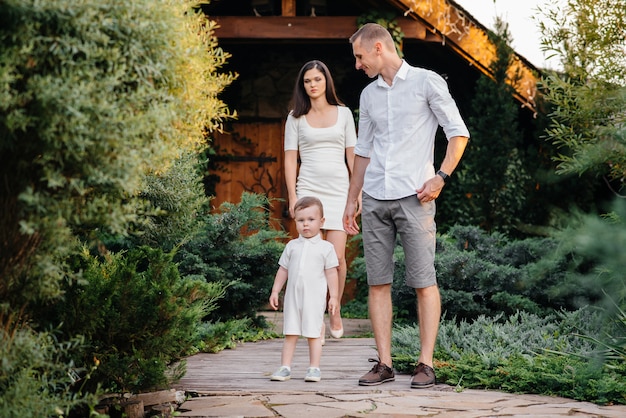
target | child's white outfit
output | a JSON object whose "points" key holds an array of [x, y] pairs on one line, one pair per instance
{"points": [[305, 295]]}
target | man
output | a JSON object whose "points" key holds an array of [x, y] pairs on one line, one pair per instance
{"points": [[399, 115]]}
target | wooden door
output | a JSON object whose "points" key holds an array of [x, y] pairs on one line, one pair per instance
{"points": [[251, 158]]}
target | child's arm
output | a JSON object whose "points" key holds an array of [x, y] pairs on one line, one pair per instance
{"points": [[279, 282], [332, 278]]}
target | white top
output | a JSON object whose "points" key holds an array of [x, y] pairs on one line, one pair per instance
{"points": [[323, 171], [305, 295], [397, 127]]}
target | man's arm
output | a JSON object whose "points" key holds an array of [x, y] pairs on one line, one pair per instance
{"points": [[356, 184], [432, 187]]}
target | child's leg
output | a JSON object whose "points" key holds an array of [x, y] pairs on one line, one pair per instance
{"points": [[315, 352], [289, 348]]}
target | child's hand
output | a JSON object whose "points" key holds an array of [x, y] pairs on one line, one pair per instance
{"points": [[333, 306], [274, 300]]}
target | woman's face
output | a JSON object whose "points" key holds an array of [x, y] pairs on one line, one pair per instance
{"points": [[314, 83]]}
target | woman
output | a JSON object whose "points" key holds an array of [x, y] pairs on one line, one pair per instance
{"points": [[321, 131]]}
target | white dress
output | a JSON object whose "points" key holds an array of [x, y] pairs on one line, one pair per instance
{"points": [[305, 295], [323, 170]]}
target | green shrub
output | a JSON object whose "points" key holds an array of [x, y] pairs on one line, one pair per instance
{"points": [[597, 262], [176, 207], [94, 94], [138, 316], [240, 249], [488, 274], [37, 377], [520, 354], [493, 186]]}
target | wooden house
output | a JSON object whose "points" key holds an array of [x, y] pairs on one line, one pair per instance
{"points": [[270, 40]]}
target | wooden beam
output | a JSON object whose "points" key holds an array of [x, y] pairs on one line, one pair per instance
{"points": [[302, 27], [468, 38], [289, 8]]}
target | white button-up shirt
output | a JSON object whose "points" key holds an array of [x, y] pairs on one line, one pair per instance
{"points": [[397, 127]]}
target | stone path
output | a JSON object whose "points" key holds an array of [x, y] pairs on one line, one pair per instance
{"points": [[235, 383]]}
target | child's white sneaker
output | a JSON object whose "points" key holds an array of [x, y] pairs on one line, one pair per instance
{"points": [[313, 374], [282, 374]]}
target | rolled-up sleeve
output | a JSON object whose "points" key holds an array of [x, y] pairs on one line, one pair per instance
{"points": [[444, 108], [363, 146]]}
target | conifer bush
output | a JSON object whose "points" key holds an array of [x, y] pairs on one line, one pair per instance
{"points": [[521, 353], [138, 316], [482, 273], [96, 96], [37, 375], [239, 248]]}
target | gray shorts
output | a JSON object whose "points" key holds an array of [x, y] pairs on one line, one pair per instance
{"points": [[414, 222]]}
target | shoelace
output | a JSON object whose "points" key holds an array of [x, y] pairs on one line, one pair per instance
{"points": [[423, 368], [378, 367]]}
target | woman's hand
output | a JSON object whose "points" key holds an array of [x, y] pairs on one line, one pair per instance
{"points": [[333, 306]]}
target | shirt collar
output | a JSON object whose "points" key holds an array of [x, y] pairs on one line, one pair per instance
{"points": [[312, 240], [401, 74]]}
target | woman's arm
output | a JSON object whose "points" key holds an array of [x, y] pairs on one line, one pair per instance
{"points": [[291, 173]]}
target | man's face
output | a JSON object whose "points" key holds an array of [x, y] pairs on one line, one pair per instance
{"points": [[365, 60]]}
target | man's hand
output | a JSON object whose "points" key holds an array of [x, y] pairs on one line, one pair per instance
{"points": [[349, 218], [431, 189]]}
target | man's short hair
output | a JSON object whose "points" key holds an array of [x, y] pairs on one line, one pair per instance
{"points": [[370, 33]]}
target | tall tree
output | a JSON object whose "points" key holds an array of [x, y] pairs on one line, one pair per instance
{"points": [[492, 178], [94, 94], [588, 123], [588, 96]]}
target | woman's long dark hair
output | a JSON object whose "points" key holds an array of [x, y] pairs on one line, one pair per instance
{"points": [[301, 102]]}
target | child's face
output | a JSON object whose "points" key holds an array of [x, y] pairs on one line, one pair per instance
{"points": [[309, 221]]}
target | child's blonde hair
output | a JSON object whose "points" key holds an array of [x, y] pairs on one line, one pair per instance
{"points": [[307, 201]]}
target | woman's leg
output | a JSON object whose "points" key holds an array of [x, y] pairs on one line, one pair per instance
{"points": [[339, 239]]}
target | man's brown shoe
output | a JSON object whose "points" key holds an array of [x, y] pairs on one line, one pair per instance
{"points": [[423, 377], [380, 373]]}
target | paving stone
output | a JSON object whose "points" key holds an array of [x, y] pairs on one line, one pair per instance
{"points": [[307, 398], [235, 383], [306, 410], [224, 406]]}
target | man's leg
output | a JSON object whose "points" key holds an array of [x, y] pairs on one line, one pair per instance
{"points": [[429, 314], [381, 315], [379, 236]]}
